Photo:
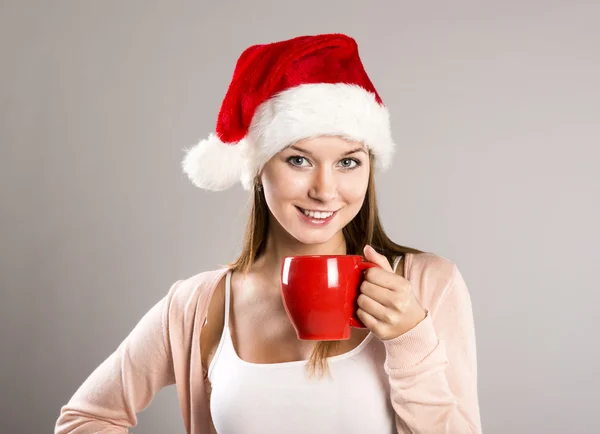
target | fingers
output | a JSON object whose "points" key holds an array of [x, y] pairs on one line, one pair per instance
{"points": [[374, 309], [381, 295], [367, 319], [385, 279], [397, 302], [373, 256]]}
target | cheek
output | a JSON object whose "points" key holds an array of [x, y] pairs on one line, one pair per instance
{"points": [[282, 182], [353, 190], [283, 188]]}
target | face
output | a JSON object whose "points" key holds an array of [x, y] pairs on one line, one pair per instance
{"points": [[316, 187]]}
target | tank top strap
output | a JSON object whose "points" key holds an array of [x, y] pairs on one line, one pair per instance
{"points": [[227, 300], [397, 261]]}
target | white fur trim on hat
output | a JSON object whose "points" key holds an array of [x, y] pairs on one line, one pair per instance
{"points": [[312, 110], [304, 111]]}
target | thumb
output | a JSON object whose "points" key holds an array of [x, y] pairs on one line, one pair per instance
{"points": [[373, 256]]}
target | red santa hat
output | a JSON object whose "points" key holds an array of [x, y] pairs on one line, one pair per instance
{"points": [[284, 92]]}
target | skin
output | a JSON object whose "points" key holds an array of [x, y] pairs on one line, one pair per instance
{"points": [[322, 173]]}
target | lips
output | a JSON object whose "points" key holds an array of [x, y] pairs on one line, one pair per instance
{"points": [[314, 220]]}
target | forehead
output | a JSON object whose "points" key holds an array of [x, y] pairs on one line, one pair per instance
{"points": [[327, 145]]}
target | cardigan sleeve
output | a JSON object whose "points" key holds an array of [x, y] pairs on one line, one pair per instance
{"points": [[125, 383], [432, 369]]}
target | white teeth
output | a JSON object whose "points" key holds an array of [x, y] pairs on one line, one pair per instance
{"points": [[318, 214]]}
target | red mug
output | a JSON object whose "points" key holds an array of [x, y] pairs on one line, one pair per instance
{"points": [[319, 294]]}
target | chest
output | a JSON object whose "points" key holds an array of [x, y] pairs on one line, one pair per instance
{"points": [[261, 331], [354, 398]]}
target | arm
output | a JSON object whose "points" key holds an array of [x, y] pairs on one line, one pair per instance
{"points": [[433, 369], [125, 383]]}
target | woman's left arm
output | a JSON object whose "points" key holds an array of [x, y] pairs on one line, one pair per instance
{"points": [[431, 361]]}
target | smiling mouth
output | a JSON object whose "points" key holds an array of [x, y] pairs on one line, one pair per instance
{"points": [[317, 215]]}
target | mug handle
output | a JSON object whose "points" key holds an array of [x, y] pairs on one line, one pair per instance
{"points": [[354, 321]]}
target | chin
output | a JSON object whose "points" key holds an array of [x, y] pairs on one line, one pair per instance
{"points": [[309, 236], [315, 239]]}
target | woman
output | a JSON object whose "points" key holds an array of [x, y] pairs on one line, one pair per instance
{"points": [[303, 128]]}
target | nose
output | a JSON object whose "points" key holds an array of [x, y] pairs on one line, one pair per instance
{"points": [[324, 185]]}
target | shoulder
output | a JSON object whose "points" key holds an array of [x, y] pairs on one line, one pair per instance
{"points": [[191, 295], [431, 276], [430, 263]]}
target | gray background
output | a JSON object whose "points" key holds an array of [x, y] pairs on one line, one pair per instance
{"points": [[495, 106]]}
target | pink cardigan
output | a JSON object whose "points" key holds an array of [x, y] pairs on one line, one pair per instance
{"points": [[432, 368]]}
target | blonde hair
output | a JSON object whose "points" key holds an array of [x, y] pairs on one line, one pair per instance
{"points": [[364, 229]]}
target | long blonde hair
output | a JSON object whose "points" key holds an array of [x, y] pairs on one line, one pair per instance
{"points": [[364, 229]]}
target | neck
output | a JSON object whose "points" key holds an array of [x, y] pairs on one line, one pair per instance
{"points": [[281, 244]]}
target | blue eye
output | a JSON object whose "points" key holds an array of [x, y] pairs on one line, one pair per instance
{"points": [[346, 163], [349, 163], [296, 161]]}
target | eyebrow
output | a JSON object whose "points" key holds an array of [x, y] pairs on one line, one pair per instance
{"points": [[352, 151]]}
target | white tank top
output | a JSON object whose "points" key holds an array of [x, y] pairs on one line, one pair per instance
{"points": [[279, 398]]}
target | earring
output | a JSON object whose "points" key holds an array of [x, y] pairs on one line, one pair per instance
{"points": [[258, 187]]}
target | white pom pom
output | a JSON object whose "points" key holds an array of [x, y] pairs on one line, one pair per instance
{"points": [[214, 165]]}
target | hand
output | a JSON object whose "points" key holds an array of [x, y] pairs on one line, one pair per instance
{"points": [[387, 304]]}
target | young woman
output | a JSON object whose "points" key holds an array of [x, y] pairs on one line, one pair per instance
{"points": [[303, 129]]}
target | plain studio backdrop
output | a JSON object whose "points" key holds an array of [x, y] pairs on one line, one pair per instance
{"points": [[495, 108]]}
